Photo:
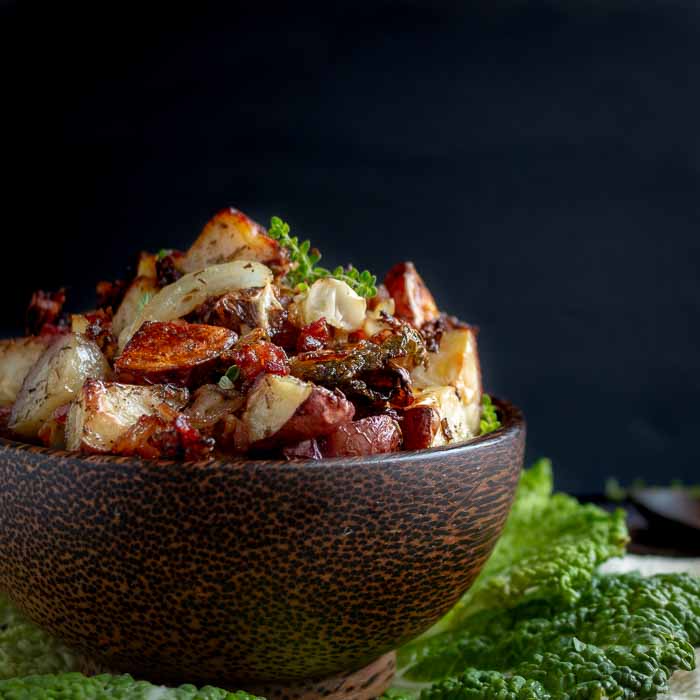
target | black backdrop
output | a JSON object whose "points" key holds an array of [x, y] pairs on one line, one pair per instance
{"points": [[539, 161]]}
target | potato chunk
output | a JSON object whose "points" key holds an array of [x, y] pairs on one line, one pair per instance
{"points": [[450, 385], [55, 379], [231, 235], [286, 410], [414, 302], [105, 411], [17, 355], [179, 353], [368, 436]]}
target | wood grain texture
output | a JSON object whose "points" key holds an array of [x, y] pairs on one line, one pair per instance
{"points": [[224, 572]]}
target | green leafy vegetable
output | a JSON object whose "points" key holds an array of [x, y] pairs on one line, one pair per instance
{"points": [[75, 686], [25, 649], [623, 638], [163, 253], [489, 416], [550, 547], [305, 271], [229, 377]]}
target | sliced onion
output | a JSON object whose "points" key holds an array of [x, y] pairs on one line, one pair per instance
{"points": [[180, 298]]}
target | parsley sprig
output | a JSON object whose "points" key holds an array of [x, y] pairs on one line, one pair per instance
{"points": [[229, 377], [305, 271]]}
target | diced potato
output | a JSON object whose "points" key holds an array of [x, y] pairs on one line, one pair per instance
{"points": [[137, 296], [421, 425], [178, 353], [105, 411], [147, 266], [17, 355], [272, 402], [231, 235], [450, 383], [414, 302], [55, 379], [368, 436]]}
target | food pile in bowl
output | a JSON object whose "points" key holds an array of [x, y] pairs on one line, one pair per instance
{"points": [[244, 346]]}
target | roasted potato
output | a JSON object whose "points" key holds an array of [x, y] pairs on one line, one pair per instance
{"points": [[177, 353], [421, 424], [231, 235], [450, 383], [413, 300], [55, 379], [17, 356], [368, 436], [286, 410], [105, 411]]}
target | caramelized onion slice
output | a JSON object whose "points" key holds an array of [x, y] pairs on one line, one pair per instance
{"points": [[180, 298]]}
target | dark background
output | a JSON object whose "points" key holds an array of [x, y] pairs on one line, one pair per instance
{"points": [[539, 161]]}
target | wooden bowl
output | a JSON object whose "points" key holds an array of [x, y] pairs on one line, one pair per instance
{"points": [[238, 572]]}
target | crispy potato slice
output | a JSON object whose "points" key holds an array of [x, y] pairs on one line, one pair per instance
{"points": [[55, 379], [231, 235], [368, 436], [137, 296], [178, 353], [17, 355], [286, 410], [105, 411], [414, 302]]}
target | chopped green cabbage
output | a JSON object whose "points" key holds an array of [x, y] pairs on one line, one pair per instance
{"points": [[75, 686], [489, 416], [25, 649]]}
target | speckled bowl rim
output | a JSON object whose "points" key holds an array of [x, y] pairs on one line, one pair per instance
{"points": [[512, 419]]}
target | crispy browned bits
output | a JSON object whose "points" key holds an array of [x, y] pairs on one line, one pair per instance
{"points": [[44, 313]]}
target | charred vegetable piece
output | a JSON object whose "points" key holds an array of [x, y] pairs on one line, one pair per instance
{"points": [[210, 404], [17, 356], [254, 355], [368, 436], [285, 410], [54, 380], [414, 302], [155, 437], [43, 314], [243, 310], [231, 235], [185, 354], [105, 411], [179, 299], [314, 336], [336, 367]]}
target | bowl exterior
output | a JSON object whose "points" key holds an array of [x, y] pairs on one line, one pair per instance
{"points": [[223, 572]]}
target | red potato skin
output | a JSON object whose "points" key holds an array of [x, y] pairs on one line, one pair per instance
{"points": [[184, 354], [317, 416], [308, 449], [420, 425], [413, 300], [369, 436]]}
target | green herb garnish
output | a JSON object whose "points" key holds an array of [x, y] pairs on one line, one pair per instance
{"points": [[489, 416], [143, 301], [163, 253], [229, 377], [304, 270]]}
